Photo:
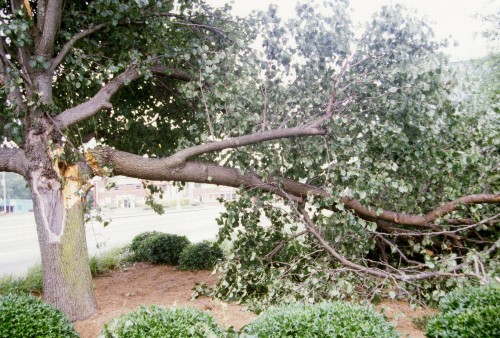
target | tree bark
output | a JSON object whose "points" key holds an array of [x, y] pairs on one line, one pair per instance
{"points": [[59, 213], [58, 189], [167, 169]]}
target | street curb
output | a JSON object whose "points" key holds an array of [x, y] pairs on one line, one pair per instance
{"points": [[153, 213]]}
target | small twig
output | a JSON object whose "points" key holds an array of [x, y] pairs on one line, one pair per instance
{"points": [[264, 113]]}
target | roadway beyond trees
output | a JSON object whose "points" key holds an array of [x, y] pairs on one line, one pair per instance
{"points": [[19, 245]]}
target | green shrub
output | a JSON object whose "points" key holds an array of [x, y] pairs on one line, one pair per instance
{"points": [[27, 316], [471, 312], [476, 322], [334, 319], [135, 245], [157, 321], [31, 283], [157, 247], [200, 256], [470, 297]]}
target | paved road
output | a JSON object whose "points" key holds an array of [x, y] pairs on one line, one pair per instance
{"points": [[19, 244]]}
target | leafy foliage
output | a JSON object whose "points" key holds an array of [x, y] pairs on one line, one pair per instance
{"points": [[157, 321], [320, 320], [395, 108], [157, 247], [200, 256], [154, 106], [253, 274], [473, 322], [470, 297], [27, 316], [470, 312]]}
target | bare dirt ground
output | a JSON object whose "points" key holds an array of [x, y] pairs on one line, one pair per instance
{"points": [[122, 291]]}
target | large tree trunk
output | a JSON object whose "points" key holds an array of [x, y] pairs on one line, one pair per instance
{"points": [[57, 190]]}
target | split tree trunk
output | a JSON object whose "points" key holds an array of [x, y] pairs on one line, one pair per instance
{"points": [[59, 210]]}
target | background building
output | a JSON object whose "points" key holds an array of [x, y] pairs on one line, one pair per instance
{"points": [[126, 192]]}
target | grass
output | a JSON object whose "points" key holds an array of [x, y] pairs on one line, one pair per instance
{"points": [[108, 261], [31, 282]]}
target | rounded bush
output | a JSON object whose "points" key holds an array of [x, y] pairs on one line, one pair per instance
{"points": [[333, 319], [27, 316], [158, 321], [471, 312], [136, 244], [160, 248], [474, 322], [470, 297], [200, 256]]}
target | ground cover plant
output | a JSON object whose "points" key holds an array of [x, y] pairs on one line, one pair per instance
{"points": [[26, 316]]}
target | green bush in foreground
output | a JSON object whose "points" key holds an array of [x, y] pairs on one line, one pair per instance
{"points": [[200, 256], [157, 321], [334, 319], [471, 297], [471, 312], [27, 316], [157, 247]]}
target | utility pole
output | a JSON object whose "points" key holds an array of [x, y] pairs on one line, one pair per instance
{"points": [[4, 193]]}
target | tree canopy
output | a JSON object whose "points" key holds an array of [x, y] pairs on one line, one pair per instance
{"points": [[376, 170]]}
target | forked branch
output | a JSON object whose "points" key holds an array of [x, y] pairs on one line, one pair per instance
{"points": [[101, 100]]}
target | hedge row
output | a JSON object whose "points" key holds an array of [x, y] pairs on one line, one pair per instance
{"points": [[161, 248], [472, 312], [321, 320], [27, 316]]}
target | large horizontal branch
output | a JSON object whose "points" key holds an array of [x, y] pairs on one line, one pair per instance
{"points": [[159, 169], [13, 160], [396, 231], [417, 220], [102, 99], [155, 169], [241, 141]]}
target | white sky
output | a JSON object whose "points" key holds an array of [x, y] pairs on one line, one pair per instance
{"points": [[453, 18]]}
